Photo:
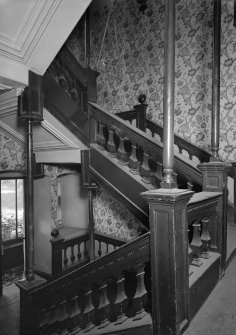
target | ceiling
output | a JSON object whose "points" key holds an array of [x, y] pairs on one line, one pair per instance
{"points": [[31, 34]]}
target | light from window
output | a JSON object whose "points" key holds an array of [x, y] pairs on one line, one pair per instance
{"points": [[12, 209]]}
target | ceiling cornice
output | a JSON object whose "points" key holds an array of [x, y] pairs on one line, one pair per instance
{"points": [[32, 27], [32, 32]]}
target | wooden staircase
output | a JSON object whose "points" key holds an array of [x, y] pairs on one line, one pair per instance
{"points": [[159, 280]]}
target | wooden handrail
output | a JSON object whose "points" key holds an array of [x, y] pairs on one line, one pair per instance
{"points": [[134, 259], [182, 144], [183, 165], [131, 253]]}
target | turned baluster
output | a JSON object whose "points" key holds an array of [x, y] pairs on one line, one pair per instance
{"points": [[190, 185], [140, 294], [75, 313], [79, 255], [72, 257], [104, 306], [196, 245], [43, 324], [53, 320], [157, 176], [99, 248], [101, 138], [65, 260], [121, 153], [107, 248], [121, 301], [145, 170], [175, 174], [86, 253], [111, 147], [63, 318], [205, 238], [180, 148], [133, 161], [159, 171], [190, 256], [88, 314]]}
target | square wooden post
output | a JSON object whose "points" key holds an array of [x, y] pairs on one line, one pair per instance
{"points": [[215, 179], [169, 259]]}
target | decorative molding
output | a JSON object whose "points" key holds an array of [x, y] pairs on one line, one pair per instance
{"points": [[49, 145], [59, 135], [32, 27], [11, 132]]}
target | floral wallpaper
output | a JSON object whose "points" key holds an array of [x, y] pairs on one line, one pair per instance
{"points": [[130, 56], [193, 71], [228, 83], [113, 219], [53, 171], [13, 155]]}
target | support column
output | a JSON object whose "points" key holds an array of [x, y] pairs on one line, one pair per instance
{"points": [[31, 109], [215, 179], [234, 168], [29, 215], [169, 259], [169, 95], [215, 134]]}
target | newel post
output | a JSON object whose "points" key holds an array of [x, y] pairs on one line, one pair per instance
{"points": [[169, 259], [141, 109], [57, 246], [215, 179]]}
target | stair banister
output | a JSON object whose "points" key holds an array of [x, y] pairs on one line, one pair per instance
{"points": [[182, 164]]}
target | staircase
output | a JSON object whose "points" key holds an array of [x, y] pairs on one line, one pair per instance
{"points": [[158, 281]]}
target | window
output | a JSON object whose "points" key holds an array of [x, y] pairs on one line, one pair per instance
{"points": [[12, 209]]}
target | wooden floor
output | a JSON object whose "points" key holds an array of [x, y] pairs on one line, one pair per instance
{"points": [[10, 301]]}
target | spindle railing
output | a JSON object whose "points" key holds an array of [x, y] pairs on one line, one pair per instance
{"points": [[139, 151], [186, 149], [113, 292], [69, 253], [108, 293]]}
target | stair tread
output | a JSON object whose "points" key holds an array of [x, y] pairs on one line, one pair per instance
{"points": [[201, 196]]}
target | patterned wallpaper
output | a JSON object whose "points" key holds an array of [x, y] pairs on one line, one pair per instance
{"points": [[130, 61], [113, 219], [53, 171], [13, 156]]}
